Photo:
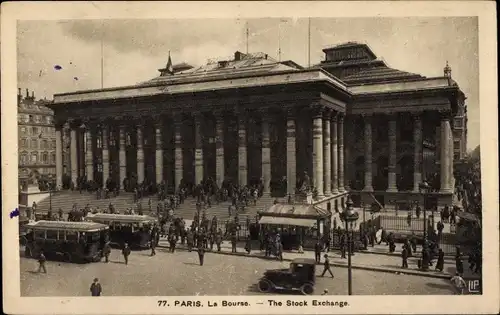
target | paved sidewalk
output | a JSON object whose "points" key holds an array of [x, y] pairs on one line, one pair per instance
{"points": [[384, 250], [381, 263]]}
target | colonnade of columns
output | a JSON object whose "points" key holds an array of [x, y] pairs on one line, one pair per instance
{"points": [[327, 151], [327, 143], [446, 154]]}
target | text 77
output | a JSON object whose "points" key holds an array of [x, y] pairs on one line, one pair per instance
{"points": [[162, 302]]}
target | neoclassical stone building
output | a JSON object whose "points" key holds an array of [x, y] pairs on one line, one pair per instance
{"points": [[350, 123]]}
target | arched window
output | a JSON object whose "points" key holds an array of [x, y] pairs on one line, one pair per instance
{"points": [[34, 158], [45, 158], [24, 158], [52, 158], [34, 144], [53, 145], [31, 119], [45, 144]]}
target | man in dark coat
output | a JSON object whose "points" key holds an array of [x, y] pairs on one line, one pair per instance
{"points": [[459, 266], [41, 262], [233, 242], [201, 254], [218, 239], [248, 245], [317, 251], [190, 240], [95, 288], [106, 251], [440, 260], [126, 253], [404, 257]]}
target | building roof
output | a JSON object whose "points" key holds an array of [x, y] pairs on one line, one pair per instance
{"points": [[295, 210], [380, 74], [120, 217], [227, 67], [66, 225]]}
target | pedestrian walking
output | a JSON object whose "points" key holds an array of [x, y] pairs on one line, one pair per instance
{"points": [[317, 252], [201, 254], [106, 251], [233, 242], [126, 253], [248, 245], [404, 257], [41, 262], [153, 247], [95, 288], [326, 266], [440, 261]]}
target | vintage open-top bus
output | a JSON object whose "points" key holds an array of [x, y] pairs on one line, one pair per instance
{"points": [[135, 230], [75, 241]]}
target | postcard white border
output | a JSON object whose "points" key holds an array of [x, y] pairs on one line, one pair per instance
{"points": [[485, 10]]}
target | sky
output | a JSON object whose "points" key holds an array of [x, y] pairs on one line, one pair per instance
{"points": [[134, 50]]}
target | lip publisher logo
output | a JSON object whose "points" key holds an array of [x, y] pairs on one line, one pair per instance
{"points": [[474, 286]]}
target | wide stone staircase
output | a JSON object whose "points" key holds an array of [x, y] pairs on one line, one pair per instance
{"points": [[66, 199]]}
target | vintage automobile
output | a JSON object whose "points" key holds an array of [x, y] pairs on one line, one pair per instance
{"points": [[75, 241], [299, 277], [135, 230]]}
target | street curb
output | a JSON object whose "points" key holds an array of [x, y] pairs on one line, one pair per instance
{"points": [[446, 258], [360, 267]]}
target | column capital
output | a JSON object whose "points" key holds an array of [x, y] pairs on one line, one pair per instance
{"points": [[340, 117], [317, 111], [444, 114], [416, 116], [334, 116], [327, 113], [367, 116]]}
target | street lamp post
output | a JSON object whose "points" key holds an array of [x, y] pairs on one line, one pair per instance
{"points": [[424, 188], [350, 217]]}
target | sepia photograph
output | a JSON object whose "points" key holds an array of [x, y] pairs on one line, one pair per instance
{"points": [[279, 163]]}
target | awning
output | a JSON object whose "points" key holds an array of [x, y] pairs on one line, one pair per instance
{"points": [[287, 221]]}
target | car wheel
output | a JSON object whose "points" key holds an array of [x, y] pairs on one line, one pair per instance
{"points": [[307, 289], [264, 286]]}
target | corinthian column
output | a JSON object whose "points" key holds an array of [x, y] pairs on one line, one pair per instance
{"points": [[417, 155], [242, 151], [317, 115], [219, 149], [341, 152], [105, 154], [140, 155], [391, 176], [368, 154], [334, 155], [73, 154], [159, 151], [122, 157], [445, 154], [266, 156], [198, 152], [59, 164], [179, 167], [327, 162], [291, 159], [89, 157]]}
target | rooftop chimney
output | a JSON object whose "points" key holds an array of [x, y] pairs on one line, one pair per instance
{"points": [[18, 91], [27, 93], [33, 95]]}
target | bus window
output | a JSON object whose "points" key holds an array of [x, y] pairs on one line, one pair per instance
{"points": [[136, 226], [39, 234], [71, 236], [126, 227], [52, 235], [92, 237]]}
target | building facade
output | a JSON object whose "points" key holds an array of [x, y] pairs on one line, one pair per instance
{"points": [[37, 138], [350, 124]]}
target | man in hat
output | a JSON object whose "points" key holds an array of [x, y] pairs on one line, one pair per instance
{"points": [[201, 254], [95, 288], [106, 251], [126, 253], [317, 251], [326, 266], [41, 262]]}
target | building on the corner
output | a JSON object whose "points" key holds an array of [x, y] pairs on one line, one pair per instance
{"points": [[350, 124], [37, 141]]}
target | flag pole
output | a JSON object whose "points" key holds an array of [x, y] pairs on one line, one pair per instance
{"points": [[102, 57], [309, 44]]}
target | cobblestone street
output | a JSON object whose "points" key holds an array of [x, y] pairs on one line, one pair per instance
{"points": [[180, 274]]}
